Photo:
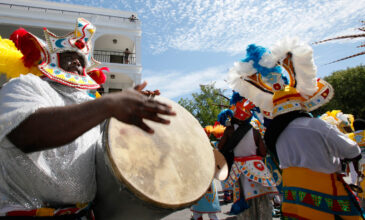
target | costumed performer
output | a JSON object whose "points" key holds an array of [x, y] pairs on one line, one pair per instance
{"points": [[224, 118], [344, 123], [309, 150], [50, 126], [257, 123], [209, 203], [252, 182], [359, 136]]}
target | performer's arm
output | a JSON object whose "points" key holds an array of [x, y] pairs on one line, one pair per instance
{"points": [[226, 135], [355, 162], [51, 127], [340, 145], [261, 147]]}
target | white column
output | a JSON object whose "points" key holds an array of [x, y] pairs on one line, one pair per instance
{"points": [[137, 41], [95, 37], [137, 78], [106, 88]]}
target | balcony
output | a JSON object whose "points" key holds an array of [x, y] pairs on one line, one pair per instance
{"points": [[83, 12], [114, 57]]}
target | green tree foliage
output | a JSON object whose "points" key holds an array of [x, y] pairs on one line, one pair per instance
{"points": [[205, 104], [349, 86]]}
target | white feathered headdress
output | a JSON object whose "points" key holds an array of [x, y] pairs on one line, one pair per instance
{"points": [[259, 78]]}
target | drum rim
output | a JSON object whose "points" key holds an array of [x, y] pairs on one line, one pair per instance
{"points": [[225, 161], [136, 192]]}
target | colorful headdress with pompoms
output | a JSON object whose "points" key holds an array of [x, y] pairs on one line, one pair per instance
{"points": [[45, 55], [259, 77], [339, 119], [241, 107]]}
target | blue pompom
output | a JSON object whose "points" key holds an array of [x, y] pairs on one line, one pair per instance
{"points": [[223, 116], [236, 97]]}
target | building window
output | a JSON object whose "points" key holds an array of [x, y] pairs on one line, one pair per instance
{"points": [[115, 90], [116, 59]]}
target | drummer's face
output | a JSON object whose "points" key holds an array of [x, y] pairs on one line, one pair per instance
{"points": [[71, 62]]}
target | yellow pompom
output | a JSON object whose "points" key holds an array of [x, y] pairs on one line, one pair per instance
{"points": [[11, 63]]}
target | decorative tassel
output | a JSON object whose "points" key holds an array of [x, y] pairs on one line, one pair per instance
{"points": [[97, 75], [27, 44]]}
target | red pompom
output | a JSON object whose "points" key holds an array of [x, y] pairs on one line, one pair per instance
{"points": [[28, 45], [97, 75], [80, 44]]}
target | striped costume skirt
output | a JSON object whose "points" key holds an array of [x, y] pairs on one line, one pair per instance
{"points": [[314, 195]]}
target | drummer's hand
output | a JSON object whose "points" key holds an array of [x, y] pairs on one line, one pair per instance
{"points": [[149, 93], [131, 107]]}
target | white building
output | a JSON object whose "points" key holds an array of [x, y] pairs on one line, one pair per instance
{"points": [[115, 32]]}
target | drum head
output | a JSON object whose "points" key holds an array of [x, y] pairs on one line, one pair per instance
{"points": [[171, 168], [221, 167]]}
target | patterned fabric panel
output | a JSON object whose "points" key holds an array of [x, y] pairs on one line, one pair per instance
{"points": [[209, 203], [339, 205], [255, 170], [253, 189]]}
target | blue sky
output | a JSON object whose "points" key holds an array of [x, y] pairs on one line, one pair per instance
{"points": [[187, 43]]}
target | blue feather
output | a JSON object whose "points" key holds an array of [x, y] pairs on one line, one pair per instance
{"points": [[236, 97], [223, 116], [285, 79], [254, 53]]}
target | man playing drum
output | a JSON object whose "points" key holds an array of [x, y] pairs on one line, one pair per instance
{"points": [[50, 125]]}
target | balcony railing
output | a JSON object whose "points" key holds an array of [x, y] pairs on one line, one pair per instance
{"points": [[114, 57], [130, 19]]}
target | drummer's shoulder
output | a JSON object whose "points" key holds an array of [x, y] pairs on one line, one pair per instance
{"points": [[24, 83], [24, 79]]}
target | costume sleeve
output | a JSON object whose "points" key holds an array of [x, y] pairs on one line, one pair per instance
{"points": [[21, 97], [339, 144]]}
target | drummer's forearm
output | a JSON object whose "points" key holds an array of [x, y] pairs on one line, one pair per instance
{"points": [[56, 126]]}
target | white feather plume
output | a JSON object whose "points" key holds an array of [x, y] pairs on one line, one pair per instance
{"points": [[268, 60], [303, 63], [236, 76]]}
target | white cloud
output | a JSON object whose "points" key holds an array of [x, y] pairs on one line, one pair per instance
{"points": [[177, 84], [230, 25], [204, 25]]}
